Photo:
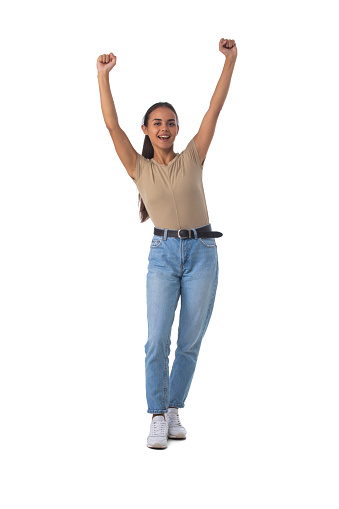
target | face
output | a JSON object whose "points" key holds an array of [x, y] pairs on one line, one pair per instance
{"points": [[162, 122]]}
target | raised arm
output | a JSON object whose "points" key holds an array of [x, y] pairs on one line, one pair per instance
{"points": [[206, 132], [127, 154]]}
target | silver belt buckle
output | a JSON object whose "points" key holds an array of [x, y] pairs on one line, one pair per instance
{"points": [[189, 233]]}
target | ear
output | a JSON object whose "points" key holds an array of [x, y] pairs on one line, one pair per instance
{"points": [[144, 129]]}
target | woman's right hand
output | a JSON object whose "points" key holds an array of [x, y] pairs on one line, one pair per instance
{"points": [[105, 63]]}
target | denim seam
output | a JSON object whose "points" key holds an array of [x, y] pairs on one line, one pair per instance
{"points": [[177, 405], [206, 245], [208, 317], [166, 350], [154, 246]]}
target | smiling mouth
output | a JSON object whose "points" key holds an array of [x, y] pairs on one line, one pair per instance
{"points": [[164, 139]]}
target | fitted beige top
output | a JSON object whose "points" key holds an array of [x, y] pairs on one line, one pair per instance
{"points": [[173, 194]]}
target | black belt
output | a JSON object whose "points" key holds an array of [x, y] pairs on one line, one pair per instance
{"points": [[184, 233]]}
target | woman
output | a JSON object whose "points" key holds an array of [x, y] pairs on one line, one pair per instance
{"points": [[183, 258]]}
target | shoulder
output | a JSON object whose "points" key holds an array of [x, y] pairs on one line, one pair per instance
{"points": [[191, 153], [141, 163]]}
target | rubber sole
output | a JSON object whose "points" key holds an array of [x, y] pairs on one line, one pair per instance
{"points": [[179, 435], [157, 446]]}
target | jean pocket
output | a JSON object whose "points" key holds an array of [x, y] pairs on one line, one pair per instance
{"points": [[207, 241], [156, 241]]}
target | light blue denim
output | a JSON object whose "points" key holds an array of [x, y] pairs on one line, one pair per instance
{"points": [[187, 267]]}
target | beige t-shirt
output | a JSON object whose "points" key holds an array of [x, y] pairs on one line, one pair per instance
{"points": [[173, 194]]}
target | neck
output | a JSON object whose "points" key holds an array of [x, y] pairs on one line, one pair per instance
{"points": [[163, 156]]}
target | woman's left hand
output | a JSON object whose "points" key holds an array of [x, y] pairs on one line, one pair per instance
{"points": [[228, 47]]}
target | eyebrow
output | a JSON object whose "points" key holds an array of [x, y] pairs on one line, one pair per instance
{"points": [[169, 120]]}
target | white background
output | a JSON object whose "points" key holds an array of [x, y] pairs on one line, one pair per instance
{"points": [[262, 412]]}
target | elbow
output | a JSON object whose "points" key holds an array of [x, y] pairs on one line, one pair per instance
{"points": [[216, 109], [112, 127]]}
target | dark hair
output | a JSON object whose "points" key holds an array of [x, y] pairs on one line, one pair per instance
{"points": [[148, 151]]}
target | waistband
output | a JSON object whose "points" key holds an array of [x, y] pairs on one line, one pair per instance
{"points": [[190, 233]]}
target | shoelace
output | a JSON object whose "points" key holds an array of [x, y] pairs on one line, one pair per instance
{"points": [[158, 428], [174, 420]]}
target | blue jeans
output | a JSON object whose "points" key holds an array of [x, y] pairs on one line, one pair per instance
{"points": [[187, 267]]}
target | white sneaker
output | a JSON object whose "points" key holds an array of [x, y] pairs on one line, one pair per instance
{"points": [[157, 438], [175, 428]]}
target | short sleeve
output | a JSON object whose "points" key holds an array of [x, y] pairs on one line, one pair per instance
{"points": [[192, 154], [141, 160]]}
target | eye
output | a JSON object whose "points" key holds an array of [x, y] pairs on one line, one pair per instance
{"points": [[156, 123]]}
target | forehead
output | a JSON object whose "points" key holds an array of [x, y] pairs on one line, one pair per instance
{"points": [[163, 114]]}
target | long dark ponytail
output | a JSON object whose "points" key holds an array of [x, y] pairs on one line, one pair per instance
{"points": [[148, 151]]}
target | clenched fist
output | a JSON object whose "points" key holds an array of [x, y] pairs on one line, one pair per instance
{"points": [[105, 63], [228, 47]]}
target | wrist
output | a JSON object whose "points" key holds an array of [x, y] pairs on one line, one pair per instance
{"points": [[230, 58], [103, 74]]}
